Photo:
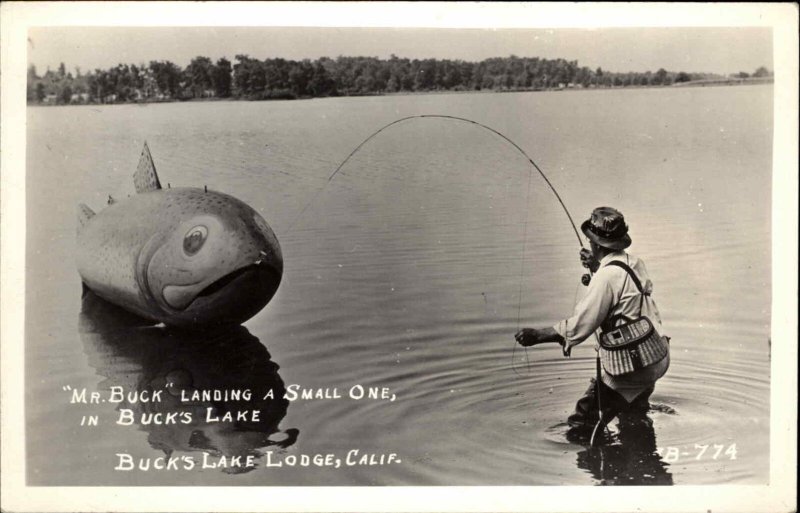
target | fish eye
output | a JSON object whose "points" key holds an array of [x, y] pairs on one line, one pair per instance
{"points": [[194, 239]]}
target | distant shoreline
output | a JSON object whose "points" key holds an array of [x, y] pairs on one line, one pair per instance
{"points": [[721, 82]]}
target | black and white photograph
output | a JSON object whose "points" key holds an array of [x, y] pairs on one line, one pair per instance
{"points": [[482, 257]]}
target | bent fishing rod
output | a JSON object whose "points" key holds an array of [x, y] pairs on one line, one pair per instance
{"points": [[455, 118], [585, 278]]}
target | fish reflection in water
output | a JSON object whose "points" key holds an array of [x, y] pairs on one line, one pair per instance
{"points": [[629, 456], [133, 354]]}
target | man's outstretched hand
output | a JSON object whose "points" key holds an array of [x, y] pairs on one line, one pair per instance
{"points": [[531, 336], [528, 337]]}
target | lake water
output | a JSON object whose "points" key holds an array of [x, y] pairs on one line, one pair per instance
{"points": [[412, 270]]}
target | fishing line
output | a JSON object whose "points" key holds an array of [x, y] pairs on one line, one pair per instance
{"points": [[527, 197], [522, 275]]}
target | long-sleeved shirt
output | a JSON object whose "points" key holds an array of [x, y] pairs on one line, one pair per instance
{"points": [[612, 292]]}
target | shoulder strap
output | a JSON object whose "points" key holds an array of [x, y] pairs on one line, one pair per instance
{"points": [[627, 269], [635, 279]]}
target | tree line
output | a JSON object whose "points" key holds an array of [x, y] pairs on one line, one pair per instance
{"points": [[254, 79]]}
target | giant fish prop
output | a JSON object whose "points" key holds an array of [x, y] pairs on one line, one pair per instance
{"points": [[185, 257]]}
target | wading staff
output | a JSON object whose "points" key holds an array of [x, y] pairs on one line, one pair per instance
{"points": [[600, 423], [586, 279]]}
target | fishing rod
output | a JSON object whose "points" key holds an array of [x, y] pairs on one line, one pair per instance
{"points": [[455, 118], [527, 196], [584, 279]]}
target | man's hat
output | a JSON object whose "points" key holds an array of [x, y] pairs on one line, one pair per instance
{"points": [[607, 228]]}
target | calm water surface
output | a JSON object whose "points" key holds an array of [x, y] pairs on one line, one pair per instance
{"points": [[411, 270]]}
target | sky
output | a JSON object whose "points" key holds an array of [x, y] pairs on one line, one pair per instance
{"points": [[722, 50]]}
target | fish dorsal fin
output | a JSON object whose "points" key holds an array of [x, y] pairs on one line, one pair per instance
{"points": [[84, 214], [145, 179]]}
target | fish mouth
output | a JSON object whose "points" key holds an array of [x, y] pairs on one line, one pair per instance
{"points": [[245, 289], [226, 280]]}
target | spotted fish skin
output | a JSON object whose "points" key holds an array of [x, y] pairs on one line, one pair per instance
{"points": [[181, 256]]}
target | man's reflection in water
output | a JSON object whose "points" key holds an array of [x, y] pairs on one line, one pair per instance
{"points": [[136, 356], [628, 457]]}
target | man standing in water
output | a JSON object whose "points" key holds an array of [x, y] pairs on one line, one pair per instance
{"points": [[613, 295]]}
